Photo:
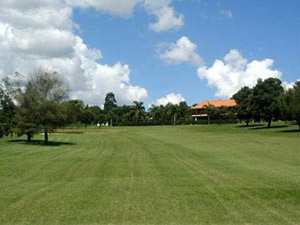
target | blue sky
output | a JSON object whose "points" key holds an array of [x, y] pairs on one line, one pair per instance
{"points": [[153, 51], [258, 29]]}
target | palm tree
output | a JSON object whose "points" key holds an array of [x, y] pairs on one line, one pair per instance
{"points": [[209, 109], [138, 111], [155, 113], [173, 111]]}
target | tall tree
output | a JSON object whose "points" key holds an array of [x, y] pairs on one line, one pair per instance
{"points": [[265, 99], [110, 102], [243, 98], [28, 113], [49, 92], [110, 105]]}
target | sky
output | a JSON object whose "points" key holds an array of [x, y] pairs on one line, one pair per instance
{"points": [[155, 51]]}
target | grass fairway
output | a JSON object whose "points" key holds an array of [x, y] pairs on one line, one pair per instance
{"points": [[153, 175]]}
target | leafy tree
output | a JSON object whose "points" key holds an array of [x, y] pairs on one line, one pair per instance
{"points": [[44, 93], [244, 108], [87, 117], [74, 109], [28, 113], [8, 92], [110, 105], [99, 117], [183, 110], [265, 99], [110, 102], [289, 103]]}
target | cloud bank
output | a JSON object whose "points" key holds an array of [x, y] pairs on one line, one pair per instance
{"points": [[234, 72], [36, 33]]}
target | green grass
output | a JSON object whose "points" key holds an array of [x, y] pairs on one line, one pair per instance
{"points": [[153, 175]]}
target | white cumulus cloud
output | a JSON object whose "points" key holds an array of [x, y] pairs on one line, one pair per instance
{"points": [[36, 33], [170, 98], [167, 17], [182, 51], [123, 8], [234, 72]]}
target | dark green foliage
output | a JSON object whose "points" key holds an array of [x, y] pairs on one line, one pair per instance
{"points": [[244, 108], [41, 107], [265, 100], [110, 102], [87, 117], [8, 91], [138, 111], [289, 103], [211, 111], [28, 113], [2, 132], [74, 108], [99, 116]]}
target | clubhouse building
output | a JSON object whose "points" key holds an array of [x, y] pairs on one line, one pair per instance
{"points": [[197, 110]]}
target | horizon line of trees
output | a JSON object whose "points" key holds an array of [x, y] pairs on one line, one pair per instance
{"points": [[43, 106]]}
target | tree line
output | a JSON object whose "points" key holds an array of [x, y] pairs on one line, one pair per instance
{"points": [[268, 101], [42, 105]]}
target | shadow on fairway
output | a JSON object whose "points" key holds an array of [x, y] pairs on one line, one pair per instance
{"points": [[250, 126], [69, 132], [40, 142], [268, 128], [289, 131]]}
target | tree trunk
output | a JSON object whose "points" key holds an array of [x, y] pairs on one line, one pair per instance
{"points": [[85, 125], [247, 122], [208, 119], [299, 124], [269, 123], [111, 122], [46, 137], [29, 137]]}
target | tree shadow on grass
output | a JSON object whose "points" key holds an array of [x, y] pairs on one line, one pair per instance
{"points": [[268, 128], [249, 126], [41, 143], [289, 131], [69, 132]]}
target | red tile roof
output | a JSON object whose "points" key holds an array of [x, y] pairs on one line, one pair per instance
{"points": [[217, 104]]}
